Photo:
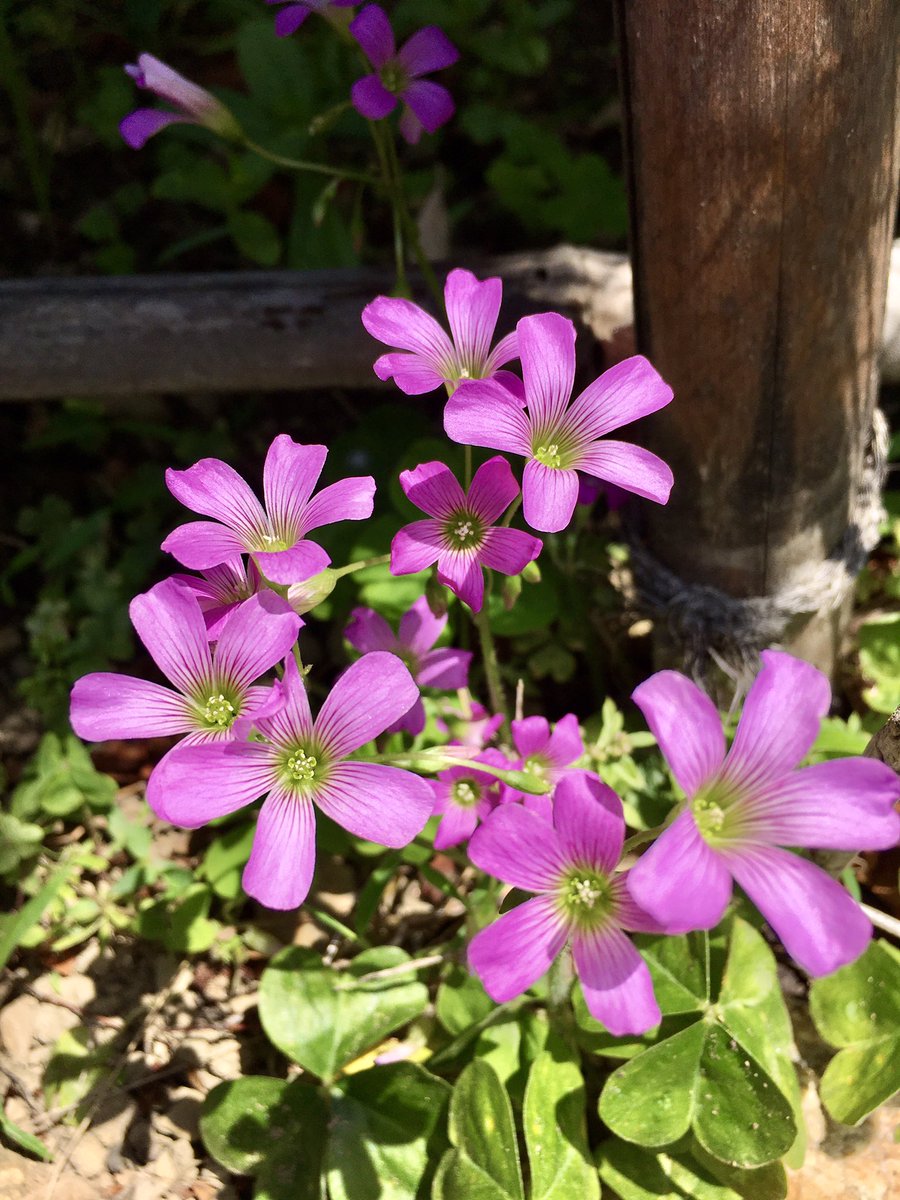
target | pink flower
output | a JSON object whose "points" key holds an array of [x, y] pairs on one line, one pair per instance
{"points": [[475, 729], [570, 866], [291, 15], [461, 536], [211, 689], [429, 358], [274, 535], [220, 589], [544, 754], [744, 805], [463, 796], [195, 105], [398, 74], [560, 439], [413, 644], [302, 764]]}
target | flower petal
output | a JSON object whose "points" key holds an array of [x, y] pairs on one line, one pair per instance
{"points": [[379, 803], [290, 473], [843, 804], [415, 547], [631, 389], [680, 881], [288, 21], [373, 31], [531, 735], [433, 487], [294, 565], [473, 306], [427, 50], [195, 784], [630, 467], [169, 622], [406, 326], [447, 669], [259, 633], [520, 848], [202, 545], [549, 496], [411, 722], [283, 859], [429, 102], [686, 725], [369, 631], [565, 745], [371, 99], [293, 721], [509, 550], [547, 354], [521, 946], [371, 694], [155, 75], [587, 817], [460, 570], [628, 914], [615, 980], [819, 922], [350, 499], [482, 412], [214, 489], [139, 126], [413, 374], [105, 705], [493, 490], [420, 628], [780, 720], [457, 825]]}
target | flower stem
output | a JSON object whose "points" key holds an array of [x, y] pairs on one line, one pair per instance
{"points": [[489, 660], [378, 560], [302, 164]]}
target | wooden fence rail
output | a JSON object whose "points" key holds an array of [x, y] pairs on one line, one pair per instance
{"points": [[271, 330]]}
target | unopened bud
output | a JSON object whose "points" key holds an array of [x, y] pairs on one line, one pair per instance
{"points": [[436, 595], [304, 596], [531, 573], [511, 590]]}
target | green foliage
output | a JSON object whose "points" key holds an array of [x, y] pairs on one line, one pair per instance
{"points": [[857, 1009], [484, 1163], [684, 1170], [322, 1018], [61, 780], [879, 660], [727, 1075], [555, 1131]]}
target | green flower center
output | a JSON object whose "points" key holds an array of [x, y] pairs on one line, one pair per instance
{"points": [[549, 455], [269, 542], [586, 897], [394, 77], [717, 812], [301, 766], [218, 712], [464, 530], [465, 793], [535, 765]]}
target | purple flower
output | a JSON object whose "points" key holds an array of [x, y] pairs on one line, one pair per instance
{"points": [[570, 866], [473, 729], [413, 644], [274, 535], [302, 763], [429, 358], [557, 438], [212, 689], [461, 536], [292, 15], [463, 796], [744, 805], [398, 74], [195, 105], [544, 754], [220, 589]]}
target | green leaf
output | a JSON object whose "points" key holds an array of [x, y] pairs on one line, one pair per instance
{"points": [[256, 237], [683, 1171], [458, 1178], [323, 1018], [482, 1130], [386, 1133], [184, 928], [76, 1067], [271, 1128], [705, 1079], [555, 1132], [18, 924], [879, 660], [19, 840], [225, 858], [858, 1010], [23, 1139], [461, 1000]]}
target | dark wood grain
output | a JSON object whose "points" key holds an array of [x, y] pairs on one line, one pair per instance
{"points": [[763, 153]]}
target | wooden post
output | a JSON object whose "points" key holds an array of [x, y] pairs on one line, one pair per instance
{"points": [[762, 142]]}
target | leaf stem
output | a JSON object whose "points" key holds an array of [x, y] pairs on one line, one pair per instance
{"points": [[489, 660], [302, 164]]}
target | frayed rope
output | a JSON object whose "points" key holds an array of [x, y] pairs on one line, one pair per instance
{"points": [[709, 626]]}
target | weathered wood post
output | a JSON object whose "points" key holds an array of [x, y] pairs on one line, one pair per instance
{"points": [[762, 141]]}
